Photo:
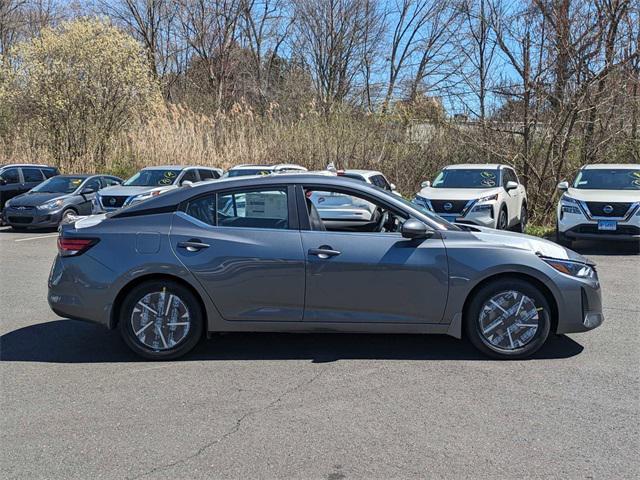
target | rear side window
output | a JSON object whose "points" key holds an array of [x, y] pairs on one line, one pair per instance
{"points": [[11, 175], [380, 181], [190, 175], [32, 175], [110, 181], [203, 209], [49, 172], [266, 208], [206, 174]]}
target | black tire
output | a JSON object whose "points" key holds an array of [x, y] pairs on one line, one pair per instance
{"points": [[66, 212], [503, 219], [125, 320], [472, 320], [561, 239], [521, 227]]}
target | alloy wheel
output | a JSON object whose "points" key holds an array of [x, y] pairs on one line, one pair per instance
{"points": [[160, 320], [508, 320]]}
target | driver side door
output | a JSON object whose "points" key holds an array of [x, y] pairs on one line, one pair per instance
{"points": [[371, 277]]}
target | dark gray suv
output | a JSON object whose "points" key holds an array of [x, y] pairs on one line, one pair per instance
{"points": [[253, 254], [18, 178]]}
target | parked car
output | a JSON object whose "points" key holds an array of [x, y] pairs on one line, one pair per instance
{"points": [[18, 178], [167, 270], [488, 195], [602, 202], [372, 177], [150, 182], [56, 200], [245, 170]]}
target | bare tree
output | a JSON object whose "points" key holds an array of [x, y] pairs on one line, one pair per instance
{"points": [[332, 37]]}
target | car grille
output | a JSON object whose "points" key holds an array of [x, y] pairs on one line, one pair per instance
{"points": [[113, 201], [597, 209], [456, 206], [20, 219], [621, 230]]}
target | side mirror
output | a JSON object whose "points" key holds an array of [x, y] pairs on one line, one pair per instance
{"points": [[414, 229], [87, 191], [392, 186], [563, 186], [511, 185], [425, 184], [186, 183]]}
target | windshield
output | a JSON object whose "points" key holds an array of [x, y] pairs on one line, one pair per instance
{"points": [[608, 179], [241, 172], [59, 185], [471, 178], [152, 178]]}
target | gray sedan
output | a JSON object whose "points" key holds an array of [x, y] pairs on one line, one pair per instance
{"points": [[56, 200], [253, 254]]}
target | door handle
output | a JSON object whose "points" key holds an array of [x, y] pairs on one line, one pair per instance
{"points": [[323, 252], [193, 245]]}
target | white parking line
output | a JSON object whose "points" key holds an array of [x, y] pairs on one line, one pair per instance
{"points": [[36, 238]]}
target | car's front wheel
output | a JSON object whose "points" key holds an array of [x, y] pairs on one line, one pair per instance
{"points": [[161, 320], [508, 319], [503, 219]]}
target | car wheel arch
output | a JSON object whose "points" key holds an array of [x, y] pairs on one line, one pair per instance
{"points": [[117, 302], [548, 294]]}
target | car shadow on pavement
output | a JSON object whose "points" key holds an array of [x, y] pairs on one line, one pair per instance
{"points": [[70, 341]]}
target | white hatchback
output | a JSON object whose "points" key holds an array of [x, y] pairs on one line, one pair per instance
{"points": [[603, 202]]}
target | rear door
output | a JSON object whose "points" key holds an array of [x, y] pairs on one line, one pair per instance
{"points": [[12, 185], [32, 177], [244, 247]]}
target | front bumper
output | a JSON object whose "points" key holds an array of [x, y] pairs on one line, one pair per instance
{"points": [[581, 308], [581, 224], [32, 218]]}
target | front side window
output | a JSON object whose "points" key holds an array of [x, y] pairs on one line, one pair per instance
{"points": [[466, 178], [608, 179], [206, 174], [265, 208], [203, 209], [93, 184], [189, 176], [32, 175], [59, 184], [110, 181], [152, 178], [339, 211], [11, 175]]}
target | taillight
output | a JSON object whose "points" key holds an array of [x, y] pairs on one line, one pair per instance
{"points": [[68, 247]]}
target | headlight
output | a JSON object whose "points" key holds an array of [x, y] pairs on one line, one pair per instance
{"points": [[567, 199], [483, 208], [423, 202], [52, 205], [488, 198], [141, 197], [575, 269]]}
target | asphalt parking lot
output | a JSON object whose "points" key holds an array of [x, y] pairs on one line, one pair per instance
{"points": [[76, 404]]}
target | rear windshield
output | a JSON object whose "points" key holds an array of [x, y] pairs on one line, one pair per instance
{"points": [[59, 185], [608, 179], [472, 178], [242, 172], [152, 178]]}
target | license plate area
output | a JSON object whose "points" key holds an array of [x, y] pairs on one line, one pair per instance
{"points": [[607, 225]]}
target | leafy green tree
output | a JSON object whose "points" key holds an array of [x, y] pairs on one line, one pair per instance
{"points": [[82, 83]]}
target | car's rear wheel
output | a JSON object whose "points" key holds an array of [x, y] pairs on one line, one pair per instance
{"points": [[508, 319], [524, 218], [161, 320]]}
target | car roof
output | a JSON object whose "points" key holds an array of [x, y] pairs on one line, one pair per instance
{"points": [[79, 175], [37, 165], [475, 166], [609, 166], [364, 173], [248, 166], [178, 167]]}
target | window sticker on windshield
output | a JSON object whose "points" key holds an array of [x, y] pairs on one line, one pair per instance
{"points": [[165, 181], [76, 181], [486, 174], [169, 174], [263, 172], [488, 183]]}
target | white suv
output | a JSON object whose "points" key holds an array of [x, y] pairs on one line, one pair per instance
{"points": [[603, 202], [245, 170], [488, 195]]}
